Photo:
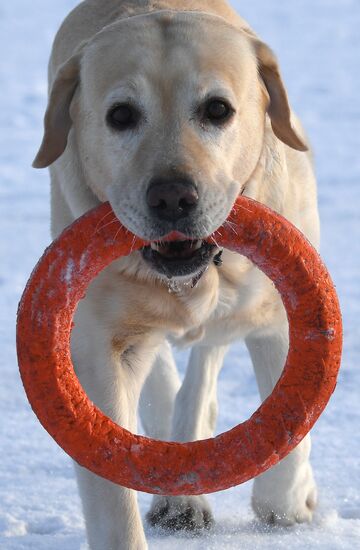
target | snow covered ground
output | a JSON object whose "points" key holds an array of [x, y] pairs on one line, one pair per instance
{"points": [[318, 42]]}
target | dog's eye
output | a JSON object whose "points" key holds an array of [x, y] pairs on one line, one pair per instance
{"points": [[217, 111], [123, 117]]}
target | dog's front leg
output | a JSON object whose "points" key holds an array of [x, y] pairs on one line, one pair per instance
{"points": [[112, 377], [286, 493], [195, 414], [111, 514]]}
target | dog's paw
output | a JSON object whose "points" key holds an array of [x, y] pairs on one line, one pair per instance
{"points": [[191, 513], [295, 507]]}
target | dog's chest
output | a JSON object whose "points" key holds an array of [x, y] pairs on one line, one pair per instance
{"points": [[245, 300]]}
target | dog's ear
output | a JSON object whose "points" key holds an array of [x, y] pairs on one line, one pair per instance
{"points": [[57, 121], [278, 108]]}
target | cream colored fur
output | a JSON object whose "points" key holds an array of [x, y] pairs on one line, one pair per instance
{"points": [[167, 55]]}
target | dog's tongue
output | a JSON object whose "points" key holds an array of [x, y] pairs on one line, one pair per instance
{"points": [[176, 249]]}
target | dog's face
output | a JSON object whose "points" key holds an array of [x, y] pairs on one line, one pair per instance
{"points": [[169, 122]]}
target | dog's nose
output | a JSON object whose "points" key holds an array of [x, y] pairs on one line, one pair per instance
{"points": [[172, 199]]}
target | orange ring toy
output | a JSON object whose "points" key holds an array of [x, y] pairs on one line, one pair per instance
{"points": [[94, 441]]}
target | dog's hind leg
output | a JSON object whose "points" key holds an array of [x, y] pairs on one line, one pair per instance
{"points": [[195, 414], [158, 395], [286, 493]]}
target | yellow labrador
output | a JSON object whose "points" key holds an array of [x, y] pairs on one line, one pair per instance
{"points": [[170, 109]]}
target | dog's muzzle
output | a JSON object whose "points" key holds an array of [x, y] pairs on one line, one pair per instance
{"points": [[172, 201]]}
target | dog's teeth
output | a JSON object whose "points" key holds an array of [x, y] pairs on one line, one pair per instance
{"points": [[196, 245], [180, 246]]}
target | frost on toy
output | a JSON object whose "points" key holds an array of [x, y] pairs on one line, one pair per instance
{"points": [[94, 441]]}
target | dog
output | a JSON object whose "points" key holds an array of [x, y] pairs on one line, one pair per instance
{"points": [[170, 110]]}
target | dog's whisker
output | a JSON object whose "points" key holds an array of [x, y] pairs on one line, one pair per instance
{"points": [[232, 227], [117, 233], [214, 241], [236, 208], [97, 228], [204, 229], [132, 244], [243, 208], [209, 222], [106, 225]]}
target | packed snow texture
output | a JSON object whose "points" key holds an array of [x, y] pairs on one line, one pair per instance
{"points": [[318, 44]]}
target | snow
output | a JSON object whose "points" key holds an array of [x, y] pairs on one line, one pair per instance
{"points": [[318, 44]]}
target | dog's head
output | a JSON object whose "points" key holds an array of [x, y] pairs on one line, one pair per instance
{"points": [[167, 111]]}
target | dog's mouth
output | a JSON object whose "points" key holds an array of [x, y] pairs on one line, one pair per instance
{"points": [[180, 257]]}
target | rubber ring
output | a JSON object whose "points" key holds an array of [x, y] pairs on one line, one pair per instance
{"points": [[94, 441]]}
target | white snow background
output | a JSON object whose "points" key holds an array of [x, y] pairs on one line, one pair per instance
{"points": [[318, 44]]}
